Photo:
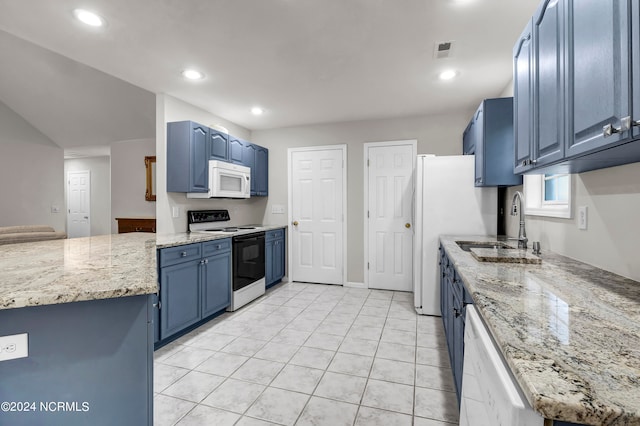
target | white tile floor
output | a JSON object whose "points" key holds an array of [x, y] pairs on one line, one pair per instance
{"points": [[309, 354]]}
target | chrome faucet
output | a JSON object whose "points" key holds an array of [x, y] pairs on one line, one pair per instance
{"points": [[522, 234]]}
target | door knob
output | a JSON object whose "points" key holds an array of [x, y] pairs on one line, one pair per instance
{"points": [[407, 225], [295, 223]]}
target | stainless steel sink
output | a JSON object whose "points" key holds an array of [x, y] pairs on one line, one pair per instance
{"points": [[468, 245]]}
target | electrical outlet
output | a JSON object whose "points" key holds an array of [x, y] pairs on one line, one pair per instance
{"points": [[582, 217], [14, 346], [55, 209]]}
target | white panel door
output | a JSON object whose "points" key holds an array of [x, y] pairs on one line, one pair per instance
{"points": [[390, 201], [78, 202], [317, 231]]}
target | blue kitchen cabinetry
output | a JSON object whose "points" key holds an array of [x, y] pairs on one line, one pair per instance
{"points": [[523, 100], [453, 301], [218, 145], [257, 159], [188, 147], [549, 134], [489, 136], [236, 150], [274, 256], [216, 276], [584, 77], [539, 87], [261, 172], [195, 283]]}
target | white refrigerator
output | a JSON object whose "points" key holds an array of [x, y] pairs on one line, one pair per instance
{"points": [[446, 203]]}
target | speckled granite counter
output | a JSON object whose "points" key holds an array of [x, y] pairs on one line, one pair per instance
{"points": [[182, 238], [569, 331], [78, 269]]}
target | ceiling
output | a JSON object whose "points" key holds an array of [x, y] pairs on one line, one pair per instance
{"points": [[303, 61]]}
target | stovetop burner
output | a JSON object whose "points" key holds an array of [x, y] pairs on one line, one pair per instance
{"points": [[202, 220]]}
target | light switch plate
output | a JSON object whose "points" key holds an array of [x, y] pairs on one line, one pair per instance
{"points": [[175, 211], [582, 217], [55, 208], [14, 346], [277, 209]]}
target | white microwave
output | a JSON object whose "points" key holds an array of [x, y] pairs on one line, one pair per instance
{"points": [[226, 180]]}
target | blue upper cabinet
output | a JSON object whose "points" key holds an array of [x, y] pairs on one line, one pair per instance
{"points": [[599, 88], [262, 172], [236, 150], [187, 157], [190, 146], [549, 130], [249, 160], [468, 147], [523, 100], [490, 132], [218, 145], [257, 159], [585, 87], [635, 42]]}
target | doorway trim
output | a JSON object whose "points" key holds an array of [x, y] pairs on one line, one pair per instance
{"points": [[290, 151], [365, 189]]}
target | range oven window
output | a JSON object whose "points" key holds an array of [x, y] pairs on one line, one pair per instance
{"points": [[248, 259]]}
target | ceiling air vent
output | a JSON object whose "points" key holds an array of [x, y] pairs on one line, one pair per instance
{"points": [[443, 49]]}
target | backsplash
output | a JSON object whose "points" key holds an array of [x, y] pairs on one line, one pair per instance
{"points": [[610, 241]]}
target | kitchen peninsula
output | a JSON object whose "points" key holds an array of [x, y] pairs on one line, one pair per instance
{"points": [[86, 306]]}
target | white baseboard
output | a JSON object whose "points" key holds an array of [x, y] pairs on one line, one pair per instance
{"points": [[351, 284]]}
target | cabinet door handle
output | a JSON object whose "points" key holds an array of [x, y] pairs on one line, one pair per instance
{"points": [[183, 254], [609, 130], [218, 247], [206, 261]]}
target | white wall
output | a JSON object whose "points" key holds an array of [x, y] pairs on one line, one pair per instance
{"points": [[31, 174], [610, 242], [170, 109], [436, 134], [100, 168], [128, 180]]}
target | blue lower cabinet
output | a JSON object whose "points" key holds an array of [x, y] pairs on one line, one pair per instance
{"points": [[453, 299], [274, 256], [216, 288], [179, 297], [194, 289]]}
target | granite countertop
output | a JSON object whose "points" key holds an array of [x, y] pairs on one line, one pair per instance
{"points": [[569, 331], [182, 238], [77, 269]]}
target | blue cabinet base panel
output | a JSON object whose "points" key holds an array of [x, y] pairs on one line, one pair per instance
{"points": [[95, 357]]}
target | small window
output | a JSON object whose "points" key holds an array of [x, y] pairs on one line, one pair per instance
{"points": [[555, 189], [548, 195]]}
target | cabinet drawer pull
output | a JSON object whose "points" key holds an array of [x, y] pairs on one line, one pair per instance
{"points": [[183, 254], [635, 123], [206, 261], [218, 247]]}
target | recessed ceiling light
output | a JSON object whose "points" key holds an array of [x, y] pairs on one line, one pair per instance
{"points": [[447, 75], [192, 74], [257, 111], [89, 18]]}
